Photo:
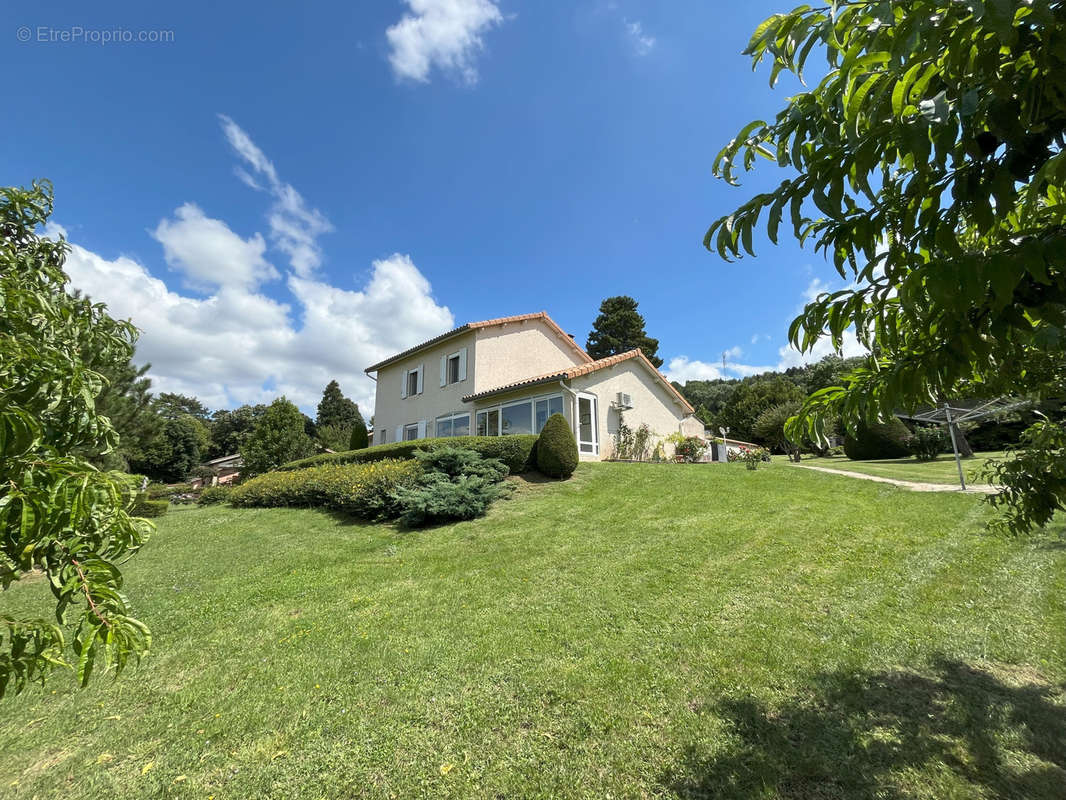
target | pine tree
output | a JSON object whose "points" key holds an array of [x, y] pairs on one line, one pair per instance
{"points": [[336, 409], [620, 328]]}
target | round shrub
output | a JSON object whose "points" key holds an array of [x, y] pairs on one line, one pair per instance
{"points": [[878, 440], [557, 448]]}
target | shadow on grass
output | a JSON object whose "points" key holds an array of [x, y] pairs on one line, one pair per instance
{"points": [[957, 731]]}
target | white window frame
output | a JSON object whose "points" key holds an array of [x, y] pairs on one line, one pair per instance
{"points": [[460, 367], [501, 406], [417, 372], [452, 418], [407, 428]]}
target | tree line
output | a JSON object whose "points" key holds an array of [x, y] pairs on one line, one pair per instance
{"points": [[169, 436]]}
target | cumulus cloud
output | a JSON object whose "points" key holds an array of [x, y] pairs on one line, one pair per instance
{"points": [[208, 253], [294, 226], [239, 346], [642, 43], [446, 34]]}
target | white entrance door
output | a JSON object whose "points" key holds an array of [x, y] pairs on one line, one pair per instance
{"points": [[587, 439]]}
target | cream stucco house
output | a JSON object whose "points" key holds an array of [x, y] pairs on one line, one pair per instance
{"points": [[508, 375]]}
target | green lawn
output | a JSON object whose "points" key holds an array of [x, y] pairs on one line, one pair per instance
{"points": [[943, 470], [639, 631]]}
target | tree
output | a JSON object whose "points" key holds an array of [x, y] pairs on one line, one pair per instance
{"points": [[360, 439], [175, 452], [229, 429], [169, 405], [336, 409], [618, 329], [58, 513], [769, 429], [932, 152], [751, 398], [278, 437]]}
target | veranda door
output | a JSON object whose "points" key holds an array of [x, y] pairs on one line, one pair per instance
{"points": [[587, 438]]}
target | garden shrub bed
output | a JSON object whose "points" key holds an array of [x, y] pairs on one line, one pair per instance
{"points": [[145, 506], [518, 452], [364, 490]]}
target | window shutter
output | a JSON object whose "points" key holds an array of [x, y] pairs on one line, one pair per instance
{"points": [[443, 370], [403, 385], [399, 433], [421, 371], [462, 364], [421, 429]]}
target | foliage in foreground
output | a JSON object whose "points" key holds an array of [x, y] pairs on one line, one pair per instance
{"points": [[1033, 478], [363, 490], [517, 451], [933, 153], [58, 513], [454, 484]]}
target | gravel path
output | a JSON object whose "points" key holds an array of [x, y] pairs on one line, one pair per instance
{"points": [[914, 486]]}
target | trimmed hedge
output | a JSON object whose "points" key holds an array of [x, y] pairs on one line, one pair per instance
{"points": [[214, 494], [145, 506], [517, 452], [881, 440], [365, 490], [557, 454]]}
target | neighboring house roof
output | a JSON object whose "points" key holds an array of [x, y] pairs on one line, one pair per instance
{"points": [[223, 459], [488, 323], [584, 369]]}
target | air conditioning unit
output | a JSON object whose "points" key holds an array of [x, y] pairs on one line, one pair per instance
{"points": [[624, 400]]}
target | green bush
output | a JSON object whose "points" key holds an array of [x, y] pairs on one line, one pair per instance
{"points": [[879, 440], [214, 494], [359, 440], [557, 455], [145, 506], [517, 452], [157, 491], [364, 490], [927, 443], [454, 484]]}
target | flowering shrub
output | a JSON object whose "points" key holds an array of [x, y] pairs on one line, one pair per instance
{"points": [[751, 456], [364, 490], [689, 449]]}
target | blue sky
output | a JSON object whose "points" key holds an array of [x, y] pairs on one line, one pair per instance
{"points": [[284, 193]]}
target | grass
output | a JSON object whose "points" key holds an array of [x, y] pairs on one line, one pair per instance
{"points": [[639, 631], [942, 470]]}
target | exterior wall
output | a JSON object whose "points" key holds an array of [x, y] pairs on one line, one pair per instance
{"points": [[519, 350], [653, 404], [390, 409]]}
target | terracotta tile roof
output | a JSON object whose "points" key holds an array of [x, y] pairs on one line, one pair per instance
{"points": [[488, 323], [584, 369]]}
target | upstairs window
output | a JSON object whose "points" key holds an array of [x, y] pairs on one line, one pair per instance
{"points": [[412, 382]]}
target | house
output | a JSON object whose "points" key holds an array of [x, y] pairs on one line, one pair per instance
{"points": [[508, 375], [226, 470]]}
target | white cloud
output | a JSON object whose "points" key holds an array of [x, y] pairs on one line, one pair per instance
{"points": [[791, 357], [734, 353], [294, 227], [642, 43], [208, 253], [238, 346], [683, 369], [446, 34], [816, 287]]}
